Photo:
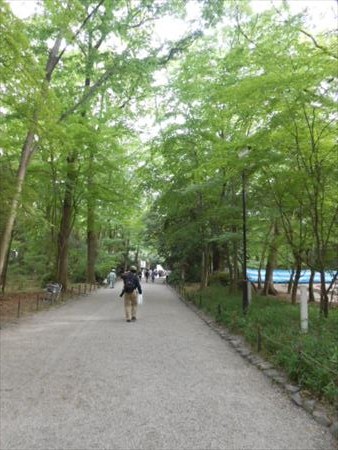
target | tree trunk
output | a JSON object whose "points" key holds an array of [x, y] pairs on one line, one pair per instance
{"points": [[261, 262], [30, 146], [268, 282], [222, 258], [126, 254], [63, 246], [271, 265], [210, 262], [137, 256], [259, 276], [229, 263], [91, 226], [204, 267], [324, 298], [66, 222], [91, 250], [295, 282], [290, 283], [311, 290], [216, 257], [234, 265], [332, 285], [27, 151], [4, 272]]}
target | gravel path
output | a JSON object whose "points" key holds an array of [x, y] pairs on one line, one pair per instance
{"points": [[79, 377]]}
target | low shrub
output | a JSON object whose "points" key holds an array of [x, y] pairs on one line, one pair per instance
{"points": [[175, 278], [222, 278]]}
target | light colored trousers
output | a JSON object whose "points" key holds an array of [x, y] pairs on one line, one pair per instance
{"points": [[130, 305]]}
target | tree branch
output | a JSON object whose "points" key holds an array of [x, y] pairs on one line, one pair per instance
{"points": [[89, 16], [181, 45], [324, 49]]}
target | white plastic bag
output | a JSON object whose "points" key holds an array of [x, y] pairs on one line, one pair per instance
{"points": [[139, 299]]}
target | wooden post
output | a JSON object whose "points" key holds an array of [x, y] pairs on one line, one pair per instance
{"points": [[37, 301], [85, 288], [304, 313], [79, 289], [19, 307]]}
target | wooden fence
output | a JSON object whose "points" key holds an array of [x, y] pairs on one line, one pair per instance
{"points": [[13, 306]]}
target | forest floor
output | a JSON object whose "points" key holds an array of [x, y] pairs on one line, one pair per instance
{"points": [[14, 305], [17, 304]]}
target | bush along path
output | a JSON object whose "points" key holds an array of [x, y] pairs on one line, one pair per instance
{"points": [[262, 350]]}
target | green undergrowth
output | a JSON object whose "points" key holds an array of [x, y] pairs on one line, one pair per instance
{"points": [[310, 359]]}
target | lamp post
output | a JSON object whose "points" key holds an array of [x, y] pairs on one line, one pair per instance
{"points": [[245, 305]]}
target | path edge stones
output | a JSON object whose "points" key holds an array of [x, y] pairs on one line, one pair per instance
{"points": [[299, 397]]}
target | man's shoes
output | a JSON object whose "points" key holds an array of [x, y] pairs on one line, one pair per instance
{"points": [[133, 319], [128, 320]]}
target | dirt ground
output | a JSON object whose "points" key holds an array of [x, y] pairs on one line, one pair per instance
{"points": [[283, 293], [15, 305]]}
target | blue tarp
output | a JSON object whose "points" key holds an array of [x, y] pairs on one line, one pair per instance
{"points": [[282, 276]]}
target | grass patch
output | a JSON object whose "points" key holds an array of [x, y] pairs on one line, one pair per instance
{"points": [[311, 359]]}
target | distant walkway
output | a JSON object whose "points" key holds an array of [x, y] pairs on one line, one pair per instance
{"points": [[78, 377]]}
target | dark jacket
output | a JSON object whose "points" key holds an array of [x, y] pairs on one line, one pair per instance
{"points": [[135, 279]]}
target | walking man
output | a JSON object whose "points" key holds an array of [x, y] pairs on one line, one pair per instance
{"points": [[147, 275], [112, 278], [130, 288]]}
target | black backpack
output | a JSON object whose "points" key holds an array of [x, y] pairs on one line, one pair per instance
{"points": [[129, 283]]}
